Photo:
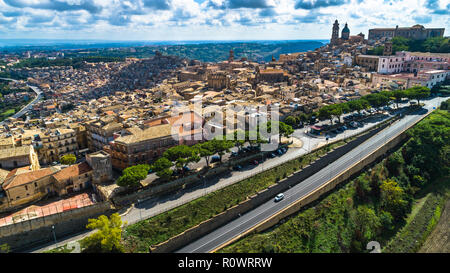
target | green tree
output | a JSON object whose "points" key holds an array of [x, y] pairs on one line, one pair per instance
{"points": [[418, 93], [221, 146], [131, 176], [398, 95], [387, 220], [68, 159], [4, 248], [445, 105], [283, 129], [165, 174], [400, 44], [326, 112], [367, 223], [358, 105], [182, 155], [239, 138], [254, 138], [362, 187], [437, 44], [394, 162], [206, 150], [377, 99], [291, 120], [339, 109], [108, 237], [162, 168], [392, 198]]}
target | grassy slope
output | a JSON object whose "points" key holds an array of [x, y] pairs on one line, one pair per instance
{"points": [[420, 224]]}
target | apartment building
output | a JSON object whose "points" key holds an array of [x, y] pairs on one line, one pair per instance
{"points": [[54, 144], [139, 146], [425, 78], [100, 132]]}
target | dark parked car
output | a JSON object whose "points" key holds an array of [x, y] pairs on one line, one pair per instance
{"points": [[215, 158], [237, 167], [272, 155]]}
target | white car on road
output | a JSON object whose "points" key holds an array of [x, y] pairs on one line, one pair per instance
{"points": [[279, 197]]}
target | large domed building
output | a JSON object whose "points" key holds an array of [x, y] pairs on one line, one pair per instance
{"points": [[345, 32]]}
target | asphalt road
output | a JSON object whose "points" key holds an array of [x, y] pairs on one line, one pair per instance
{"points": [[238, 226], [25, 109]]}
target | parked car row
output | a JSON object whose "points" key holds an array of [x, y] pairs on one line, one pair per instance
{"points": [[279, 151]]}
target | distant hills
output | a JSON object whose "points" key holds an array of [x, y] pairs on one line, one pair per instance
{"points": [[208, 51]]}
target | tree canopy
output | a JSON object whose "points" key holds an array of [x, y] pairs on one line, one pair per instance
{"points": [[68, 159], [131, 176], [108, 236]]}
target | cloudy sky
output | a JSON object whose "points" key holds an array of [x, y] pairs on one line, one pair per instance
{"points": [[210, 19]]}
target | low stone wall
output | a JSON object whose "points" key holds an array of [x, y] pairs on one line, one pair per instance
{"points": [[27, 234], [261, 197], [180, 183]]}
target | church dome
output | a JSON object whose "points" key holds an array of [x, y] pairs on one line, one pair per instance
{"points": [[345, 29]]}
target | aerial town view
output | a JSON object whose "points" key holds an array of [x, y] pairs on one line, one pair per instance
{"points": [[225, 127]]}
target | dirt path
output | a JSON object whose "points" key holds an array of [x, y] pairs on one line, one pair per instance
{"points": [[439, 239]]}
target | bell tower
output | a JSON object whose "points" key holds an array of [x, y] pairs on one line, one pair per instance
{"points": [[335, 33], [387, 51]]}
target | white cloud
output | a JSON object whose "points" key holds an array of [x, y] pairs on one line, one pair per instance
{"points": [[193, 19]]}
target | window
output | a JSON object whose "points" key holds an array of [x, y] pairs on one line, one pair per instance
{"points": [[35, 184], [26, 187]]}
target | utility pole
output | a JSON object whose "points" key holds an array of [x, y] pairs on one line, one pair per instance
{"points": [[140, 211], [54, 235]]}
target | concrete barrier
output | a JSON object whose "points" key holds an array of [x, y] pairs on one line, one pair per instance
{"points": [[172, 186]]}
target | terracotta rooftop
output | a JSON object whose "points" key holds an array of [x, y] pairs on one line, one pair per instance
{"points": [[25, 178], [71, 171], [147, 134]]}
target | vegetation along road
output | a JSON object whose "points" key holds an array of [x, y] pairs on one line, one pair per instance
{"points": [[265, 211]]}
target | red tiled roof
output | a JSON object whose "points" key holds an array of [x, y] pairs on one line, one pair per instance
{"points": [[71, 171], [25, 178]]}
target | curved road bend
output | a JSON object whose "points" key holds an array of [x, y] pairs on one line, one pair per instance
{"points": [[238, 226], [25, 109]]}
